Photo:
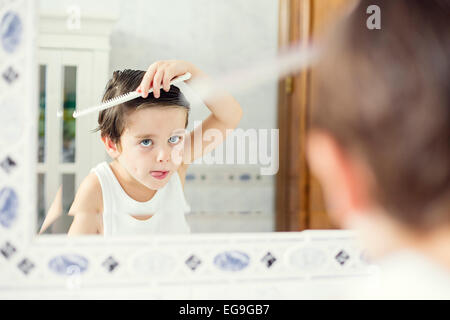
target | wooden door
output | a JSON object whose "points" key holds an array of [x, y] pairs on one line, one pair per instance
{"points": [[299, 200]]}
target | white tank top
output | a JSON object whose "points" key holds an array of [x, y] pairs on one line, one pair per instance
{"points": [[168, 207]]}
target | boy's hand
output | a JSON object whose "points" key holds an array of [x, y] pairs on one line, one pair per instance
{"points": [[159, 75]]}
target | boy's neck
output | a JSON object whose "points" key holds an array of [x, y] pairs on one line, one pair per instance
{"points": [[436, 245], [385, 236], [433, 244], [130, 185], [123, 174]]}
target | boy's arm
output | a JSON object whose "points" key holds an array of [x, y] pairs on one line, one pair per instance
{"points": [[225, 116], [54, 212], [87, 207]]}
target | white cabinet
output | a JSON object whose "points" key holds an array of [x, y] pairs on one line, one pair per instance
{"points": [[73, 58]]}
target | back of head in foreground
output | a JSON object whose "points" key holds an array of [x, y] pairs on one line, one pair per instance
{"points": [[380, 138]]}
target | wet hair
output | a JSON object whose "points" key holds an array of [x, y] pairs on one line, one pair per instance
{"points": [[385, 94], [112, 121]]}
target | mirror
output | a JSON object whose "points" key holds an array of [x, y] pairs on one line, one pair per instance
{"points": [[80, 45]]}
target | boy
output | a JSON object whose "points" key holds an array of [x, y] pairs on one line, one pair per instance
{"points": [[141, 190]]}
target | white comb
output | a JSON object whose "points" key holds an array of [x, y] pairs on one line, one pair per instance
{"points": [[124, 98]]}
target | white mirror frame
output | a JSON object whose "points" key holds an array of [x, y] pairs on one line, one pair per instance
{"points": [[285, 265]]}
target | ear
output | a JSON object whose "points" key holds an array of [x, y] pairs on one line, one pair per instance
{"points": [[111, 147], [343, 177]]}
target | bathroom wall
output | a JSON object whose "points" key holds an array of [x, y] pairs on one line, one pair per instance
{"points": [[217, 36]]}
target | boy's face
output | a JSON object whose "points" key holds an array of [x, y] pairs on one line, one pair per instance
{"points": [[152, 144]]}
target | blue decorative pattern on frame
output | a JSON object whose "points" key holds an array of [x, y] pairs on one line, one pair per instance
{"points": [[232, 260], [68, 264], [10, 31], [9, 204]]}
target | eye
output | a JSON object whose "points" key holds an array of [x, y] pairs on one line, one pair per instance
{"points": [[146, 143], [174, 139]]}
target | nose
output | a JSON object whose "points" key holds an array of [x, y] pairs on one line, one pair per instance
{"points": [[163, 155]]}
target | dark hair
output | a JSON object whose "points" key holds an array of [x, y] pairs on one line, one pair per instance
{"points": [[112, 121], [386, 94]]}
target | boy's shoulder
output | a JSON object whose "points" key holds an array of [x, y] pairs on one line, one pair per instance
{"points": [[88, 198]]}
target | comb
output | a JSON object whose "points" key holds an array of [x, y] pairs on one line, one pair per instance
{"points": [[124, 98]]}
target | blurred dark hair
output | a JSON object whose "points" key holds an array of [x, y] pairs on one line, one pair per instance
{"points": [[386, 95], [112, 121]]}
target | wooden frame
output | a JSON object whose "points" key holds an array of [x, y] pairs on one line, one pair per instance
{"points": [[299, 201], [292, 203]]}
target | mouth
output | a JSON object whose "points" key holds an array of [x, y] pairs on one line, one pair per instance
{"points": [[159, 174]]}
